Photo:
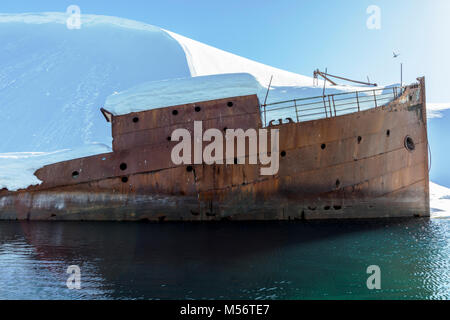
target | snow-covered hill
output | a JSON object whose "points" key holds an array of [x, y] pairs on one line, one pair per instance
{"points": [[54, 80]]}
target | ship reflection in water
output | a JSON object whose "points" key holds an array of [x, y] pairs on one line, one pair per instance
{"points": [[323, 260]]}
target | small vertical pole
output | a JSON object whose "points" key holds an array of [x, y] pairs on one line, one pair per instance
{"points": [[357, 100], [401, 74], [265, 100], [325, 106], [329, 105], [375, 98], [334, 105], [265, 117], [323, 94], [296, 111]]}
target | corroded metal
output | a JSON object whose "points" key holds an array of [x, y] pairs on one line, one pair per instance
{"points": [[350, 166]]}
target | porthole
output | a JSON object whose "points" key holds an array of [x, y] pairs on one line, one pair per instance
{"points": [[123, 166], [169, 138], [174, 112], [283, 154], [230, 104], [75, 174], [323, 146], [388, 133], [359, 139], [197, 109], [189, 168], [124, 179], [338, 183], [135, 119], [409, 143]]}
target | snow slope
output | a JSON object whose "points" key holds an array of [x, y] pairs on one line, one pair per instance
{"points": [[205, 60], [434, 110], [17, 168], [439, 201], [54, 80]]}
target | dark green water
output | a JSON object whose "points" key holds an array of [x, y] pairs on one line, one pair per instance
{"points": [[326, 260]]}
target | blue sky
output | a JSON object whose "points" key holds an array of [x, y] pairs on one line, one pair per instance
{"points": [[301, 35]]}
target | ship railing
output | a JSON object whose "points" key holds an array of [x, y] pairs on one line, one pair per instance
{"points": [[327, 106]]}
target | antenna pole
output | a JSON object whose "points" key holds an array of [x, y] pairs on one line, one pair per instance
{"points": [[401, 74], [325, 82], [265, 101], [268, 88]]}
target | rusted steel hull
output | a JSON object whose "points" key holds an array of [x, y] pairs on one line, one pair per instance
{"points": [[351, 166]]}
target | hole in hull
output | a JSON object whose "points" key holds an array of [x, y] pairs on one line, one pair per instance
{"points": [[409, 143]]}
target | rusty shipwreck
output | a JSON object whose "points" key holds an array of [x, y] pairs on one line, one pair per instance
{"points": [[350, 162]]}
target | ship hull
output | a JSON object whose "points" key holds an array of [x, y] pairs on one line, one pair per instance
{"points": [[358, 165]]}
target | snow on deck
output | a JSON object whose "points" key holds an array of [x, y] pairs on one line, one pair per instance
{"points": [[158, 94]]}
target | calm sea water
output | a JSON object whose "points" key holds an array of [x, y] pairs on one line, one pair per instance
{"points": [[314, 260]]}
